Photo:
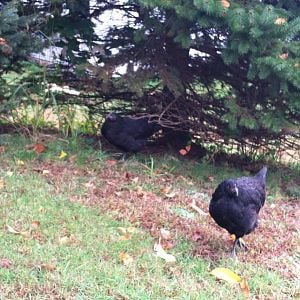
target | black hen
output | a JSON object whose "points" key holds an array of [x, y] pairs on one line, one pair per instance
{"points": [[235, 204], [129, 135]]}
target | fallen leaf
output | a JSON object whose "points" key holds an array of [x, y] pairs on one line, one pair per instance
{"points": [[188, 148], [35, 224], [12, 230], [127, 175], [245, 287], [20, 162], [2, 149], [280, 21], [225, 3], [183, 152], [165, 234], [196, 236], [63, 154], [171, 194], [125, 237], [72, 159], [47, 267], [2, 183], [140, 192], [45, 172], [39, 148], [125, 258], [211, 178], [284, 55], [167, 244], [160, 252], [3, 41], [226, 274], [111, 162], [135, 180], [131, 229], [122, 230], [5, 263]]}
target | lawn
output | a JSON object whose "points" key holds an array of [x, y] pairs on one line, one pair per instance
{"points": [[77, 224]]}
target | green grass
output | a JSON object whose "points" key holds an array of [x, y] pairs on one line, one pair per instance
{"points": [[74, 253]]}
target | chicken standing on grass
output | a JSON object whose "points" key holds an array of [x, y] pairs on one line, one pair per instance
{"points": [[235, 205], [129, 135]]}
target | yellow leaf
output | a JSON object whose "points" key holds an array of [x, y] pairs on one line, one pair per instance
{"points": [[63, 154], [226, 274], [160, 252], [45, 172], [280, 21], [20, 162], [125, 258]]}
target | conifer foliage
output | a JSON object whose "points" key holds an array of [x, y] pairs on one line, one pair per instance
{"points": [[222, 69]]}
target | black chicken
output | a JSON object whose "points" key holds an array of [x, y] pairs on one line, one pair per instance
{"points": [[129, 135], [235, 204]]}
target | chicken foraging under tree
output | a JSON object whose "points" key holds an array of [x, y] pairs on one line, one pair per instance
{"points": [[129, 135], [235, 204]]}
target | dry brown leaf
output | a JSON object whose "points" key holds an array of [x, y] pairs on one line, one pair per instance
{"points": [[2, 149], [125, 237], [226, 274], [122, 230], [125, 258], [72, 159], [39, 148], [35, 224], [160, 252], [47, 267], [196, 236], [245, 287], [5, 263], [111, 162], [140, 192], [2, 183]]}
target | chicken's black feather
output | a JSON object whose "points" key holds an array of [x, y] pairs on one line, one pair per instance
{"points": [[235, 204], [129, 135]]}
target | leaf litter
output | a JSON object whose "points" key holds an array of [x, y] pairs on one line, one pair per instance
{"points": [[270, 244]]}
